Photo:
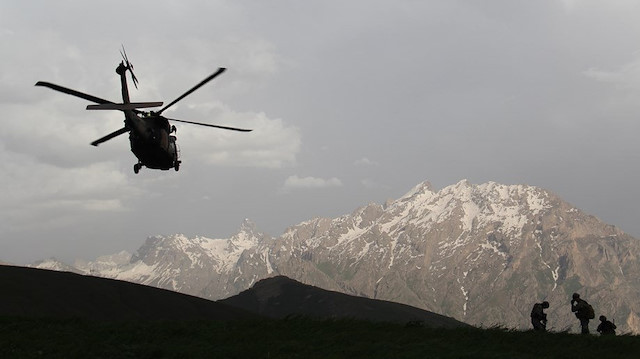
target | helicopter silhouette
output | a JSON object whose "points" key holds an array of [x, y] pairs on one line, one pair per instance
{"points": [[151, 135]]}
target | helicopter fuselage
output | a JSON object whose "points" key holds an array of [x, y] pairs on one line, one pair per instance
{"points": [[150, 135], [152, 142]]}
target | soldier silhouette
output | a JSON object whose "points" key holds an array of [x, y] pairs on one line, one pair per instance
{"points": [[583, 311], [538, 316], [606, 327]]}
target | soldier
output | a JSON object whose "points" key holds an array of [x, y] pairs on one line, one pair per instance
{"points": [[538, 316], [583, 310], [606, 327]]}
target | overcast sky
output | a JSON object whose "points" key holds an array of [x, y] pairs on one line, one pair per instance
{"points": [[351, 102]]}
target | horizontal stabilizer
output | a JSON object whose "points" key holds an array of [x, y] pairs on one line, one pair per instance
{"points": [[124, 106]]}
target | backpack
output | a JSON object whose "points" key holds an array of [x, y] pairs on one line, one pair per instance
{"points": [[537, 312], [589, 313], [584, 310]]}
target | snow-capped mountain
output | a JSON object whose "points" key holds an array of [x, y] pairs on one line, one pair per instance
{"points": [[57, 265], [483, 254], [109, 265]]}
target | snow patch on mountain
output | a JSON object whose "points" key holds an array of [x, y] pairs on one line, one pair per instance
{"points": [[55, 264], [138, 272], [108, 265]]}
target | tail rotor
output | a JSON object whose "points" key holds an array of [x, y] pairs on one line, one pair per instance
{"points": [[129, 66]]}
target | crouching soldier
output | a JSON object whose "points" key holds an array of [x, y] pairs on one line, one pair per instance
{"points": [[606, 327], [538, 316]]}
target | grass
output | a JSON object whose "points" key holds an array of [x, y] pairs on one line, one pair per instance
{"points": [[293, 338]]}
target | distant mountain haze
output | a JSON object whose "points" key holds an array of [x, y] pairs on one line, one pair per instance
{"points": [[482, 254]]}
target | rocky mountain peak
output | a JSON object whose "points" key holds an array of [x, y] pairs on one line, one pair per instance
{"points": [[247, 226], [248, 236], [419, 191]]}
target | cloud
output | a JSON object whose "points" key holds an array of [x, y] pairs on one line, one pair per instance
{"points": [[603, 76], [37, 194], [627, 75], [271, 144], [570, 5], [619, 90], [294, 182], [366, 162]]}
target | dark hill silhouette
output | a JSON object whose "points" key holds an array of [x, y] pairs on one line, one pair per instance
{"points": [[30, 292], [280, 297]]}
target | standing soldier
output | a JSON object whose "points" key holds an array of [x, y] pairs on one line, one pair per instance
{"points": [[538, 316], [583, 310]]}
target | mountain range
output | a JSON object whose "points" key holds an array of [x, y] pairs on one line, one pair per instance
{"points": [[482, 254]]}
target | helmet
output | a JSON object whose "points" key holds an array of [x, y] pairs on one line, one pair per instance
{"points": [[545, 304], [576, 295], [603, 318]]}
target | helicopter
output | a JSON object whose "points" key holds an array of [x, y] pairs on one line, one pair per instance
{"points": [[151, 135]]}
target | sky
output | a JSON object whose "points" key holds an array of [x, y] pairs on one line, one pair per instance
{"points": [[350, 102]]}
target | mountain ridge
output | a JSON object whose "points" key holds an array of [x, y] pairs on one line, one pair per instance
{"points": [[33, 292], [282, 297], [482, 254]]}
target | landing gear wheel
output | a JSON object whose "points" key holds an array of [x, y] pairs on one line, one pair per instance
{"points": [[177, 166], [136, 168]]}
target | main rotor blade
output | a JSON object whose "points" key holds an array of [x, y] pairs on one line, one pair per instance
{"points": [[210, 125], [82, 95], [71, 92], [110, 136], [211, 77]]}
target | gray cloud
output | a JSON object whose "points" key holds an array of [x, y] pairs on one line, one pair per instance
{"points": [[536, 92], [295, 182], [364, 161]]}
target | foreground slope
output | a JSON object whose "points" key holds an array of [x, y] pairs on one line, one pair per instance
{"points": [[29, 292], [282, 297], [291, 338]]}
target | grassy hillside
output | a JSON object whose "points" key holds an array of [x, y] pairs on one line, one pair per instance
{"points": [[294, 338], [45, 314], [30, 292], [280, 297]]}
